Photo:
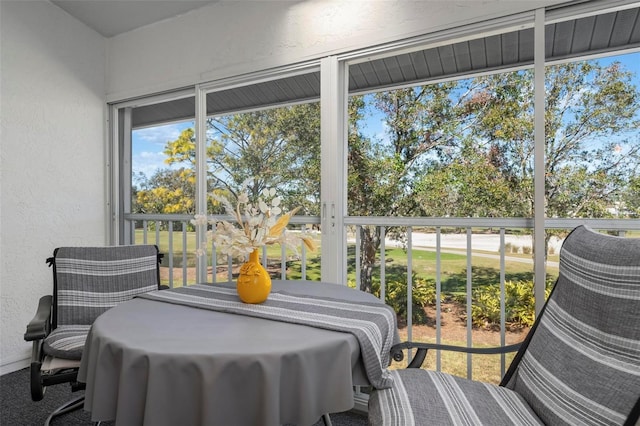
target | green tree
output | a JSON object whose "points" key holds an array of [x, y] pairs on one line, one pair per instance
{"points": [[168, 191], [182, 151], [469, 185], [630, 199], [589, 110], [466, 148], [278, 148], [381, 174]]}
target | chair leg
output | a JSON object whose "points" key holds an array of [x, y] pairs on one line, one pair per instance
{"points": [[71, 405], [326, 419]]}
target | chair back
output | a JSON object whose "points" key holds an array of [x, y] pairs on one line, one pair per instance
{"points": [[90, 280], [582, 363]]}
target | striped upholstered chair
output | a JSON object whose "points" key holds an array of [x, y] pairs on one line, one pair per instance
{"points": [[86, 282], [579, 365]]}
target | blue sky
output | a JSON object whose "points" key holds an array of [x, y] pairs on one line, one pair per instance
{"points": [[149, 143]]}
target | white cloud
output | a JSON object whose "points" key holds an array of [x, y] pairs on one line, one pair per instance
{"points": [[159, 135], [148, 146], [148, 162]]}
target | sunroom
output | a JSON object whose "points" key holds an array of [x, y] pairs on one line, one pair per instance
{"points": [[359, 98], [439, 151]]}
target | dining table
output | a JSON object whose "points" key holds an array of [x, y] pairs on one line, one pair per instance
{"points": [[197, 355]]}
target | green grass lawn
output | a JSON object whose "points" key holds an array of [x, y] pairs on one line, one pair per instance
{"points": [[453, 269], [162, 240]]}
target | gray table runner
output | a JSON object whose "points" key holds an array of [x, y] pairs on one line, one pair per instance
{"points": [[373, 325]]}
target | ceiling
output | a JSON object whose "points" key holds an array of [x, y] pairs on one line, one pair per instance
{"points": [[607, 32], [589, 35], [113, 17]]}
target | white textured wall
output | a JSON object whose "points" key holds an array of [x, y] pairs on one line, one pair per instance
{"points": [[51, 155], [235, 37]]}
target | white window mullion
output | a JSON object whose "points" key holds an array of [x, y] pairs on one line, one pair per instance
{"points": [[333, 130], [539, 162], [201, 179], [119, 169]]}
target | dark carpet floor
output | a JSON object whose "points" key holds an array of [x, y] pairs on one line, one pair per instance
{"points": [[17, 409]]}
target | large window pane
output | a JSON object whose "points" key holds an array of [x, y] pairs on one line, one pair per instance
{"points": [[163, 169], [279, 148], [593, 138], [157, 182], [465, 148]]}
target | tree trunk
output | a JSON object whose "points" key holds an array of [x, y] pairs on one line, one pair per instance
{"points": [[369, 245]]}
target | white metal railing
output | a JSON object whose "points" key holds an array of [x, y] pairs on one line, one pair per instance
{"points": [[437, 224], [171, 233], [468, 227], [175, 237]]}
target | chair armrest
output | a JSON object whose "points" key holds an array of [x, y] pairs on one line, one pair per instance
{"points": [[422, 348], [40, 325]]}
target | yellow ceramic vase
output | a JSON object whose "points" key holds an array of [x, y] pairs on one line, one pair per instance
{"points": [[254, 282]]}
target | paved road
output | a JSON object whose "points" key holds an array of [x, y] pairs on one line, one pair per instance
{"points": [[457, 243]]}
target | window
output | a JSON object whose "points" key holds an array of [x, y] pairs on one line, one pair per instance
{"points": [[440, 139], [266, 134]]}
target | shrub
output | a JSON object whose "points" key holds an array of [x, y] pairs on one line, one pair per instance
{"points": [[423, 292], [519, 304]]}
